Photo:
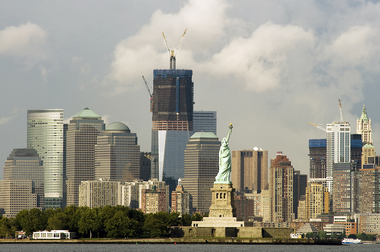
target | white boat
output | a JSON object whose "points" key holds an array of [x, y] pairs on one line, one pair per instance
{"points": [[351, 241]]}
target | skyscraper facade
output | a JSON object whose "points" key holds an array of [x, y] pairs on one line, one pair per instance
{"points": [[299, 189], [205, 121], [343, 191], [117, 154], [23, 184], [281, 188], [172, 121], [317, 155], [201, 167], [364, 127], [81, 138], [249, 169], [368, 180], [317, 200], [338, 148], [45, 135]]}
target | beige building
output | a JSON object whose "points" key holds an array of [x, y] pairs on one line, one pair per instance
{"points": [[99, 193], [154, 200], [368, 223], [367, 151], [364, 127], [316, 200], [368, 194], [249, 169], [117, 154], [132, 192], [81, 138], [23, 184], [301, 209], [281, 189], [181, 201], [201, 167], [262, 204]]}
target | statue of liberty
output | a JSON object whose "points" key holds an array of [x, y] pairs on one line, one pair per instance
{"points": [[224, 160]]}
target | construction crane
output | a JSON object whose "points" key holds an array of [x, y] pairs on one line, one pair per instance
{"points": [[318, 126], [150, 94], [341, 111], [172, 52]]}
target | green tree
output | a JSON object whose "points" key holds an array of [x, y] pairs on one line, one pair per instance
{"points": [[196, 217], [73, 215], [185, 220], [120, 225], [58, 221], [154, 227], [321, 234], [86, 221]]}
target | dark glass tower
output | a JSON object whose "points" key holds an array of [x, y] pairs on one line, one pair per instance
{"points": [[172, 121]]}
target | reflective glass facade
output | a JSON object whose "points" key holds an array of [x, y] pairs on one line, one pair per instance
{"points": [[45, 135]]}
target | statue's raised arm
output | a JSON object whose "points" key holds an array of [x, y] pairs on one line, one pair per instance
{"points": [[224, 160]]}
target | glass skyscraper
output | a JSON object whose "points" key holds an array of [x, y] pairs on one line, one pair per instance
{"points": [[45, 135], [172, 122]]}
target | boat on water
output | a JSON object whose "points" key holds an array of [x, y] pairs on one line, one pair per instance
{"points": [[351, 241]]}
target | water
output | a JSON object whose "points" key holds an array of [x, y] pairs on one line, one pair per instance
{"points": [[183, 248]]}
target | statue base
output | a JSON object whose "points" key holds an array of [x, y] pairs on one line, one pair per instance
{"points": [[222, 211]]}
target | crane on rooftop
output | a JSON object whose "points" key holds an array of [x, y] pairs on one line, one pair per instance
{"points": [[150, 94], [172, 52], [341, 111], [318, 126]]}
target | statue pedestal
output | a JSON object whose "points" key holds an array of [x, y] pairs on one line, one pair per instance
{"points": [[222, 201], [222, 210]]}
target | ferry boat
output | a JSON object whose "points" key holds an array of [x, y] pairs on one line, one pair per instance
{"points": [[351, 241]]}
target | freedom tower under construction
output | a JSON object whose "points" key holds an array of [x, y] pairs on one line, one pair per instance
{"points": [[172, 118]]}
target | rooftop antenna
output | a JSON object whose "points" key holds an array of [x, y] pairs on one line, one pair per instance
{"points": [[172, 52]]}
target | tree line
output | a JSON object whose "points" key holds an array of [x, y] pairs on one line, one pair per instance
{"points": [[101, 222]]}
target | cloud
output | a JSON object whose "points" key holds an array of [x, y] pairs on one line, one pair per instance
{"points": [[262, 61], [140, 53], [25, 40], [10, 118]]}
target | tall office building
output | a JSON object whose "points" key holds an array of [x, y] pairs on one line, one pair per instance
{"points": [[81, 138], [317, 200], [299, 189], [23, 184], [117, 154], [204, 121], [343, 188], [201, 167], [364, 127], [172, 122], [281, 188], [249, 169], [338, 148], [368, 192], [317, 155], [45, 135]]}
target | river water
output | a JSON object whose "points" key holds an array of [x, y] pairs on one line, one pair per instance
{"points": [[183, 247]]}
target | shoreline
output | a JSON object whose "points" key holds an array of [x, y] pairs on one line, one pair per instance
{"points": [[210, 240]]}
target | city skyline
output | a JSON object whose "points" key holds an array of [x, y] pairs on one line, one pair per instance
{"points": [[270, 90]]}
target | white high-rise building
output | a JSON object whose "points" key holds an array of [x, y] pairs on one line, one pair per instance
{"points": [[45, 135], [338, 148]]}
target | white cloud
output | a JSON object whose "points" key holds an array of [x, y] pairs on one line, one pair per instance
{"points": [[25, 40], [10, 118]]}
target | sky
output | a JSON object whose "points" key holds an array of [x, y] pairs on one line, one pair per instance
{"points": [[269, 67]]}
